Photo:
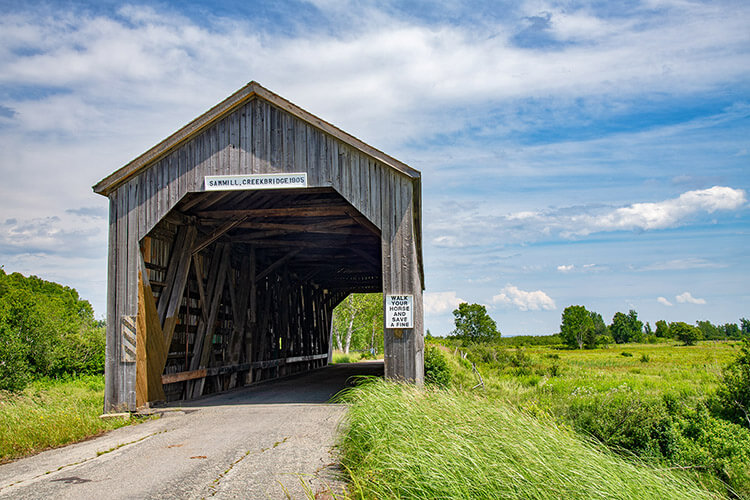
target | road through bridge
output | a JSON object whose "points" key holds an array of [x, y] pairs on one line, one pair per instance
{"points": [[255, 442]]}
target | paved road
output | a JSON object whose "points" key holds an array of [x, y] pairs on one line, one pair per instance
{"points": [[258, 442]]}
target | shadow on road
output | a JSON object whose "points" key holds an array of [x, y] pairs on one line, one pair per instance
{"points": [[318, 386]]}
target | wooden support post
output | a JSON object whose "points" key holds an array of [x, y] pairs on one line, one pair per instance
{"points": [[404, 348], [239, 298], [177, 275], [202, 357], [151, 352]]}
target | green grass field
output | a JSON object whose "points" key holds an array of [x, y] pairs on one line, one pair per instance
{"points": [[51, 413], [403, 442], [605, 413]]}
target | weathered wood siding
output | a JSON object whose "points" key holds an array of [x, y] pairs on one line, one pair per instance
{"points": [[258, 137]]}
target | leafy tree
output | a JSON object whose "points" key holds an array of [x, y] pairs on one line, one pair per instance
{"points": [[745, 326], [577, 328], [662, 329], [358, 322], [685, 333], [731, 331], [473, 324], [600, 327], [620, 328], [710, 331], [636, 327], [626, 327], [45, 329]]}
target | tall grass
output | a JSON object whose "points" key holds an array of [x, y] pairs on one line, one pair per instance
{"points": [[340, 357], [50, 413], [403, 442]]}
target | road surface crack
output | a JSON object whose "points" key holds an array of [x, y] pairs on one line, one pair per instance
{"points": [[216, 481]]}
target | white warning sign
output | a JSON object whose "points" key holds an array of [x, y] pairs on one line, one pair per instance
{"points": [[399, 311]]}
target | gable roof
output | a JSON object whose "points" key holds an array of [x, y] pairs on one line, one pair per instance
{"points": [[252, 90]]}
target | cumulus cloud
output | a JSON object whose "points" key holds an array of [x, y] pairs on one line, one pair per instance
{"points": [[512, 296], [581, 221], [565, 268], [441, 302], [687, 298], [71, 233], [664, 214], [663, 301]]}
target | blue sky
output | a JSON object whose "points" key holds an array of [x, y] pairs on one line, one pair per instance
{"points": [[571, 152]]}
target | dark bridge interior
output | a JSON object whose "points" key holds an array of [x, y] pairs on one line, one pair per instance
{"points": [[244, 284]]}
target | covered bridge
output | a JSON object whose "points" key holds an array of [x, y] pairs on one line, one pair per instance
{"points": [[231, 241]]}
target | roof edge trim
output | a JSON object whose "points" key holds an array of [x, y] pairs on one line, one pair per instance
{"points": [[247, 93]]}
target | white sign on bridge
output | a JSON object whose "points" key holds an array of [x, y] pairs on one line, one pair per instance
{"points": [[255, 181], [399, 311]]}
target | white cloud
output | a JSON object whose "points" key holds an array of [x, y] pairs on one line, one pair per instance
{"points": [[441, 302], [687, 298], [573, 222], [664, 214], [512, 296], [565, 268], [664, 301]]}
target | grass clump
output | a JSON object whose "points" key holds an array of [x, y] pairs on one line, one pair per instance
{"points": [[51, 413], [340, 357], [403, 442]]}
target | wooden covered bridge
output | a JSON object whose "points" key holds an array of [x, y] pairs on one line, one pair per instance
{"points": [[231, 241]]}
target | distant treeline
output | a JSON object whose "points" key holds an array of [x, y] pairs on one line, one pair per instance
{"points": [[581, 328], [46, 329]]}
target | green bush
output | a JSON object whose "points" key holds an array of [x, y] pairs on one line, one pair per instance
{"points": [[732, 400], [624, 421], [436, 369], [45, 330], [715, 446], [667, 431]]}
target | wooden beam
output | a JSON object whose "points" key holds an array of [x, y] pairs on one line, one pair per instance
{"points": [[369, 258], [218, 233], [327, 243], [198, 268], [172, 378], [171, 298], [277, 264], [202, 358], [151, 353], [276, 212]]}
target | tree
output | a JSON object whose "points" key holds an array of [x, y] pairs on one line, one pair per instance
{"points": [[731, 331], [636, 327], [662, 329], [620, 328], [473, 324], [745, 326], [626, 327], [710, 331], [688, 334], [577, 328], [358, 322], [45, 329]]}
